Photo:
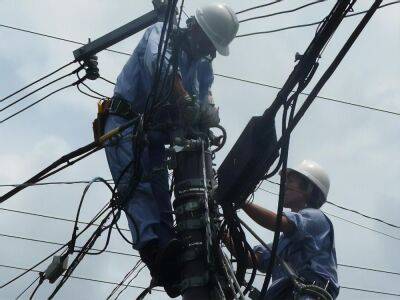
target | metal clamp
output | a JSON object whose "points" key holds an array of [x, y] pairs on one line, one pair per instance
{"points": [[196, 281], [188, 207], [191, 224]]}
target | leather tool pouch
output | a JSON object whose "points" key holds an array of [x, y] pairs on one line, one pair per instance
{"points": [[99, 123]]}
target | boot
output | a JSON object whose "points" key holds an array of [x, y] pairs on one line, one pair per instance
{"points": [[170, 267], [149, 255]]}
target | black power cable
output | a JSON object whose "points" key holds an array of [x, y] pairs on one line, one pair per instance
{"points": [[37, 102], [241, 79], [308, 24], [53, 253], [40, 88], [282, 12], [257, 7], [80, 278], [363, 215], [36, 81], [342, 207]]}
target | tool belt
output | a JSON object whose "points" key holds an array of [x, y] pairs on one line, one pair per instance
{"points": [[121, 107], [114, 106]]}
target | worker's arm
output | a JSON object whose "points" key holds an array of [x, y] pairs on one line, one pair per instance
{"points": [[267, 218]]}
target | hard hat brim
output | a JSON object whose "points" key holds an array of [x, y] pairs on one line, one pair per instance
{"points": [[224, 51]]}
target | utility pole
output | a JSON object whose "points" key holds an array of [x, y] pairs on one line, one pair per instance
{"points": [[191, 160], [205, 272]]}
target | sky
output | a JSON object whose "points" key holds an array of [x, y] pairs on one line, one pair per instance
{"points": [[357, 147]]}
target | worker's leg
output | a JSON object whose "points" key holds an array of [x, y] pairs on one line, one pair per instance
{"points": [[141, 207], [160, 186]]}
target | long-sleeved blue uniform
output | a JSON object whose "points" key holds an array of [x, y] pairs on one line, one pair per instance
{"points": [[309, 250], [149, 207]]}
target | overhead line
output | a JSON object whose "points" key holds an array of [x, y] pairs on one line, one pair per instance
{"points": [[36, 102], [159, 290], [36, 81], [363, 226], [51, 217], [72, 221], [282, 12], [354, 267], [363, 215], [83, 278], [56, 37], [369, 291], [60, 244], [258, 6], [307, 24], [307, 94], [343, 219], [341, 207], [222, 75], [52, 183]]}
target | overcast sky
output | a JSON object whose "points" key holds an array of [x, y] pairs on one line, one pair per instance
{"points": [[358, 147]]}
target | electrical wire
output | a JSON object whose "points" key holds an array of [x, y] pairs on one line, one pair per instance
{"points": [[344, 219], [56, 38], [81, 278], [51, 254], [258, 6], [129, 282], [377, 109], [282, 12], [52, 183], [52, 217], [36, 81], [124, 279], [126, 254], [37, 102], [27, 288], [40, 88], [61, 244], [362, 226], [363, 215], [369, 291], [343, 208], [106, 80], [307, 24], [87, 94], [241, 79]]}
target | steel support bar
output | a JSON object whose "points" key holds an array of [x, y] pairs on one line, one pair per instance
{"points": [[116, 35]]}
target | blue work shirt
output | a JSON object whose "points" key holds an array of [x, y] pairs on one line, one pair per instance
{"points": [[309, 250], [149, 207], [135, 80]]}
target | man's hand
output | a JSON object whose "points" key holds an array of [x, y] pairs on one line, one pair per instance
{"points": [[190, 110], [209, 115]]}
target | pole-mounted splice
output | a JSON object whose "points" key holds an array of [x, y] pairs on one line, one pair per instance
{"points": [[205, 271], [193, 177]]}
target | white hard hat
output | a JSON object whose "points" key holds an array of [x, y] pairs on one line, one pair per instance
{"points": [[315, 173], [220, 24]]}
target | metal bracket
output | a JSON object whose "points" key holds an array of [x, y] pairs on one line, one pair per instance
{"points": [[191, 224], [188, 207], [195, 281], [122, 32]]}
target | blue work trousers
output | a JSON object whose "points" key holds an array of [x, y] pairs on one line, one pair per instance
{"points": [[148, 206]]}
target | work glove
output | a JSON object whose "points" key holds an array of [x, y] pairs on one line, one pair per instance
{"points": [[209, 113], [190, 110]]}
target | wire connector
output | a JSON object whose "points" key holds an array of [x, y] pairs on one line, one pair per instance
{"points": [[56, 268], [91, 68]]}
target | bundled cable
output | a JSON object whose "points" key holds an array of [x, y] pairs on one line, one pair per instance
{"points": [[295, 119]]}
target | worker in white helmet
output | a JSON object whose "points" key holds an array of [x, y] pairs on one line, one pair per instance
{"points": [[307, 239], [148, 208]]}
